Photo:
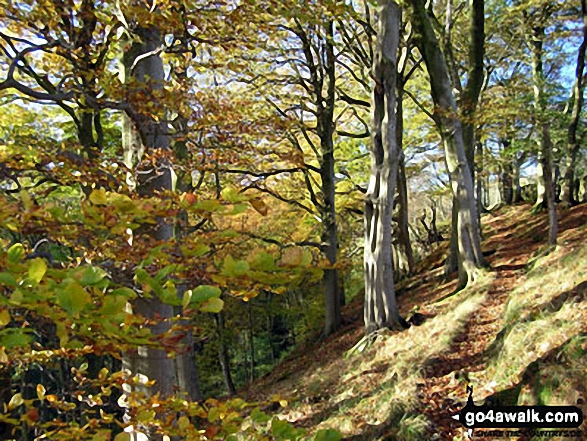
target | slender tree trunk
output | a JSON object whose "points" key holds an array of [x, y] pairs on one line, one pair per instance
{"points": [[469, 241], [479, 181], [536, 44], [325, 129], [516, 177], [403, 210], [380, 309], [569, 180], [507, 173], [251, 341], [223, 355]]}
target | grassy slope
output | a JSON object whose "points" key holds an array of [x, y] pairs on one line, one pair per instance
{"points": [[519, 335]]}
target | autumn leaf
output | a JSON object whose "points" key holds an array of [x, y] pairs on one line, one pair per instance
{"points": [[260, 206], [15, 401]]}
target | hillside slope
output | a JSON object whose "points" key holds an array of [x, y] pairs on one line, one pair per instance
{"points": [[518, 336]]}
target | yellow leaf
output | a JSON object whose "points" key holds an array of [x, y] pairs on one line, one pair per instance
{"points": [[283, 403], [25, 197], [15, 401], [3, 356], [51, 398], [214, 305], [41, 392], [98, 197], [4, 317]]}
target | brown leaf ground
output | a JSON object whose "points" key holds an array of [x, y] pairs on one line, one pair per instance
{"points": [[325, 388]]}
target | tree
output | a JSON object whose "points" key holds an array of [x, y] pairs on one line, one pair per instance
{"points": [[536, 23], [146, 133], [381, 309], [449, 124], [569, 194]]}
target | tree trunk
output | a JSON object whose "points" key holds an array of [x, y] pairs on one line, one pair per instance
{"points": [[143, 132], [536, 44], [516, 178], [380, 309], [470, 259], [251, 341], [467, 107], [325, 129], [223, 355], [569, 180], [402, 187]]}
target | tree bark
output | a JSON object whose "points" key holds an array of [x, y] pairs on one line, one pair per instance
{"points": [[223, 355], [140, 133], [569, 181], [381, 309], [403, 210], [325, 129], [536, 44], [470, 259]]}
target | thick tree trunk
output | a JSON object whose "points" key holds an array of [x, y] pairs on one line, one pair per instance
{"points": [[380, 309], [538, 33], [469, 241], [140, 133], [467, 107], [569, 181]]}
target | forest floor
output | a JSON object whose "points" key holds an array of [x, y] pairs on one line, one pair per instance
{"points": [[518, 336]]}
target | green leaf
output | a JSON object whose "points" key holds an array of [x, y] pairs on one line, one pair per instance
{"points": [[259, 416], [262, 261], [238, 209], [92, 275], [37, 270], [72, 297], [168, 294], [195, 250], [213, 414], [124, 292], [328, 435], [204, 292], [232, 195], [113, 304], [234, 268], [164, 272], [7, 279], [15, 253], [122, 436], [14, 337], [283, 430], [211, 206], [212, 305]]}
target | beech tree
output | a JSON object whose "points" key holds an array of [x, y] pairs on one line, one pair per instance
{"points": [[381, 309], [466, 220], [570, 187]]}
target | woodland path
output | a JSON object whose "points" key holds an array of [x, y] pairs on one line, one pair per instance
{"points": [[469, 351]]}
